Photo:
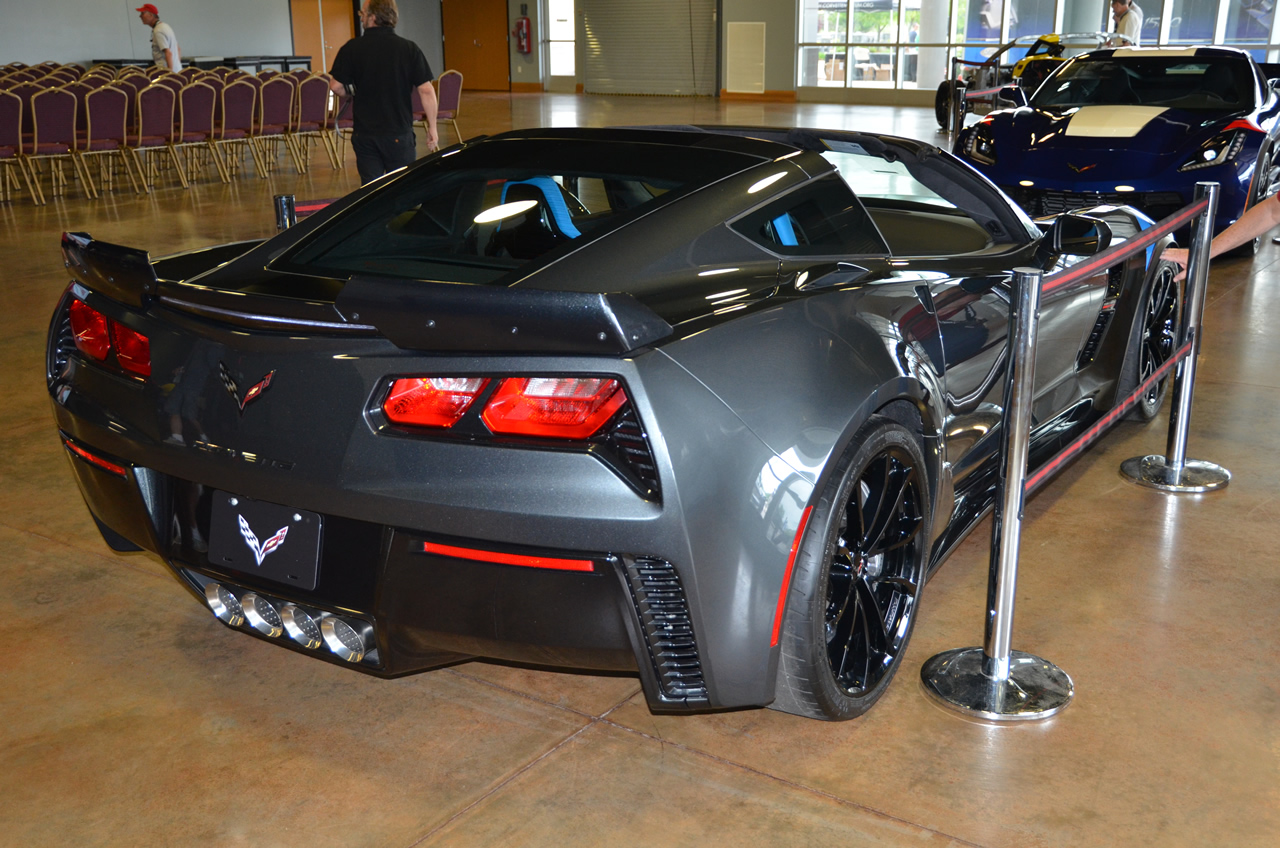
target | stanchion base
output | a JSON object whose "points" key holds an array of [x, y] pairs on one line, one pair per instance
{"points": [[1035, 689], [1155, 473]]}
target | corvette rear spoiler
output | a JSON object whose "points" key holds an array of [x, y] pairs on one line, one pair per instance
{"points": [[121, 273], [419, 315]]}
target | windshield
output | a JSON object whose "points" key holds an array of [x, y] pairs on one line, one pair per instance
{"points": [[476, 215], [1175, 82]]}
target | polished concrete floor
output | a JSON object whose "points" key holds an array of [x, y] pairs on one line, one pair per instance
{"points": [[129, 716]]}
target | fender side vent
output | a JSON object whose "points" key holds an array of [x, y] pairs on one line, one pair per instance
{"points": [[664, 616]]}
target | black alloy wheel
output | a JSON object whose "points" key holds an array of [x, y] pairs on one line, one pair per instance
{"points": [[857, 578], [1154, 341]]}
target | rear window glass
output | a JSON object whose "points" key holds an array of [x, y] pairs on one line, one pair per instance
{"points": [[476, 215]]}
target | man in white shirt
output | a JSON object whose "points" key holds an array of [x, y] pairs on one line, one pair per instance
{"points": [[164, 44], [1128, 21]]}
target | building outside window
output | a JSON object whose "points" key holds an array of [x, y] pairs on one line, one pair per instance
{"points": [[909, 44]]}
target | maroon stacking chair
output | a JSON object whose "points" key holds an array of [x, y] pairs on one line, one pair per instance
{"points": [[131, 85], [80, 90], [53, 139], [96, 80], [313, 111], [22, 76], [340, 124], [217, 84], [154, 133], [190, 73], [275, 120], [195, 133], [105, 136], [155, 71], [267, 73], [173, 81], [61, 78], [234, 126], [130, 71], [449, 101], [11, 157]]}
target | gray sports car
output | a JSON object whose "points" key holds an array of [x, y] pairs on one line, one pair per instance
{"points": [[703, 404]]}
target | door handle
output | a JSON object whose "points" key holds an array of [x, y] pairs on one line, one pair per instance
{"points": [[476, 42]]}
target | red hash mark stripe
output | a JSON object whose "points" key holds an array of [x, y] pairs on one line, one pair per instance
{"points": [[555, 563]]}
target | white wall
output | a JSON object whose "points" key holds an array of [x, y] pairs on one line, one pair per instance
{"points": [[32, 31]]}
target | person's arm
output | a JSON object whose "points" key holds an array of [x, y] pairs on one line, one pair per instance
{"points": [[427, 93], [1250, 225], [168, 58], [337, 87]]}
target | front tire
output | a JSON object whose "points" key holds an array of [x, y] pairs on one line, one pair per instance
{"points": [[1261, 191], [857, 578], [942, 105], [1153, 340]]}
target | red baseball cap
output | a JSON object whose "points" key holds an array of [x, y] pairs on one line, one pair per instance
{"points": [[147, 7]]}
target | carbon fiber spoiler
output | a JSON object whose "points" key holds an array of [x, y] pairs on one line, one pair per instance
{"points": [[121, 273], [417, 315]]}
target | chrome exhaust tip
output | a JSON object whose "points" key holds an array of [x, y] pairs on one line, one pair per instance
{"points": [[262, 615], [224, 604], [300, 626], [349, 640]]}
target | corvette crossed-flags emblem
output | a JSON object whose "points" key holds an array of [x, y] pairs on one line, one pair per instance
{"points": [[260, 551], [229, 383]]}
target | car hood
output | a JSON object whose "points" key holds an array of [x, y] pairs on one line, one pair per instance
{"points": [[1121, 143]]}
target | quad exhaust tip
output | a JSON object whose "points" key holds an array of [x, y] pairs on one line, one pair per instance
{"points": [[261, 615], [224, 604], [350, 639], [301, 627]]}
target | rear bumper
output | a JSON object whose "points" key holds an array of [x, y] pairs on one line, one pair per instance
{"points": [[623, 613]]}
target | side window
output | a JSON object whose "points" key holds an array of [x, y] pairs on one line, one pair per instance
{"points": [[820, 219], [877, 178]]}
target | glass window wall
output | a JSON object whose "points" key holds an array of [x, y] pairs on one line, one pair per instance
{"points": [[910, 44]]}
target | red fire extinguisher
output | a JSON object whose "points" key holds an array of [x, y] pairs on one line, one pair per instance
{"points": [[524, 42]]}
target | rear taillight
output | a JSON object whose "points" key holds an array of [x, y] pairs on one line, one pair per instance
{"points": [[431, 401], [89, 326], [553, 407], [133, 350], [96, 336]]}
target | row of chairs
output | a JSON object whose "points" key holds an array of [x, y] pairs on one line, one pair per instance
{"points": [[213, 120]]}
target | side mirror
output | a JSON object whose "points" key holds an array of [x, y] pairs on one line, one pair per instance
{"points": [[1011, 95], [1078, 235]]}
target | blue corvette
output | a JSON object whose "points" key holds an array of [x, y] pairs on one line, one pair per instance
{"points": [[1138, 127]]}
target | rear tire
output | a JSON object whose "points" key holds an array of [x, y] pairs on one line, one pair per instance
{"points": [[1153, 340], [857, 578]]}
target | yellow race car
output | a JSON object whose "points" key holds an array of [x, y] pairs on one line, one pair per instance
{"points": [[1034, 58]]}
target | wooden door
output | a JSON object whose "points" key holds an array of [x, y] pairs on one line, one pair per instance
{"points": [[475, 43], [320, 28]]}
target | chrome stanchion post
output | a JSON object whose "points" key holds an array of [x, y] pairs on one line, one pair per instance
{"points": [[286, 211], [1174, 472], [995, 682]]}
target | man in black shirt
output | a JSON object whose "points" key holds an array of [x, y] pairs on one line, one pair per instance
{"points": [[381, 69]]}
